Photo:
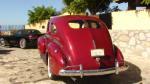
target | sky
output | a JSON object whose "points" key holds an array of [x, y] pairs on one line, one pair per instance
{"points": [[14, 12], [122, 6]]}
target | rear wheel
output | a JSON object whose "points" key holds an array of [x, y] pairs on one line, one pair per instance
{"points": [[50, 75], [48, 69], [2, 42], [23, 43]]}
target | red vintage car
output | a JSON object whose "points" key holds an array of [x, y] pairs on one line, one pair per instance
{"points": [[79, 46]]}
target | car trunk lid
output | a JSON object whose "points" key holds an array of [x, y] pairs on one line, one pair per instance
{"points": [[82, 41]]}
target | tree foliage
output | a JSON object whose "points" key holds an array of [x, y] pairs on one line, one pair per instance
{"points": [[78, 6], [40, 13], [94, 6], [147, 2], [67, 2], [132, 4], [97, 5]]}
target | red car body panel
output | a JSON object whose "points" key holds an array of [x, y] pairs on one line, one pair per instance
{"points": [[72, 47]]}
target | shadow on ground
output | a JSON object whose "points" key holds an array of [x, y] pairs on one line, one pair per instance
{"points": [[29, 47], [5, 51], [131, 76]]}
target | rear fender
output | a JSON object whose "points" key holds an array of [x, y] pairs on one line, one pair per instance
{"points": [[57, 61], [118, 55]]}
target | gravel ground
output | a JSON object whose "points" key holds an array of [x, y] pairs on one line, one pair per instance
{"points": [[24, 66]]}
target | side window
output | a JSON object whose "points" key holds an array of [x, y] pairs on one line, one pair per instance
{"points": [[19, 33], [53, 29]]}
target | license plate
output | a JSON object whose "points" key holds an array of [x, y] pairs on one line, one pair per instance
{"points": [[97, 52]]}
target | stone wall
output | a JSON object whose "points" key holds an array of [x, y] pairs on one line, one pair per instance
{"points": [[132, 42]]}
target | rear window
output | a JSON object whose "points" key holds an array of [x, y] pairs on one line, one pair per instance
{"points": [[79, 24]]}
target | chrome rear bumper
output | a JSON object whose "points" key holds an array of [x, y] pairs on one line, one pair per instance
{"points": [[93, 72]]}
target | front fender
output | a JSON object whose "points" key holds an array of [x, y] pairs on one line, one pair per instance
{"points": [[41, 45], [57, 61]]}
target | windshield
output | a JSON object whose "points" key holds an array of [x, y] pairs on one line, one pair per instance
{"points": [[80, 24], [33, 32]]}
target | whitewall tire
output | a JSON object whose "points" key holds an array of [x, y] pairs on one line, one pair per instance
{"points": [[48, 69]]}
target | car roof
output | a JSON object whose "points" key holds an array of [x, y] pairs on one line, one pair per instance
{"points": [[27, 29], [62, 21], [70, 17], [31, 29]]}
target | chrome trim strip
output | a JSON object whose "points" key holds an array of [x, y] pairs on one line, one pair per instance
{"points": [[92, 72], [94, 44]]}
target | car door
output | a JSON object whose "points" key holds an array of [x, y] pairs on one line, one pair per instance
{"points": [[16, 37]]}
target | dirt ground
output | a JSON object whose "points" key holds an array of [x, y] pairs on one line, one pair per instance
{"points": [[24, 66]]}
